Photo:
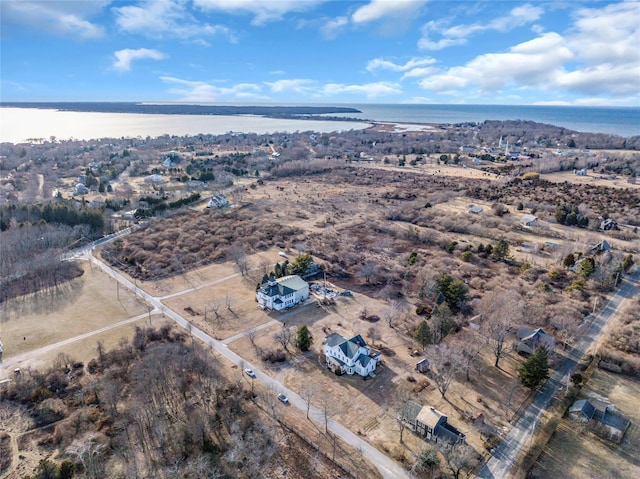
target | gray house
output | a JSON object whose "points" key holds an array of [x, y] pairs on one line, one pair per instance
{"points": [[531, 339], [430, 424], [601, 418]]}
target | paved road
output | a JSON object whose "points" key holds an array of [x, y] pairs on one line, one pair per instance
{"points": [[505, 455], [387, 467]]}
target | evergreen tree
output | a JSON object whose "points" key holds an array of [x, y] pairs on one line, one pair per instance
{"points": [[501, 250], [304, 340], [301, 264], [569, 260], [422, 335], [454, 290], [535, 369]]}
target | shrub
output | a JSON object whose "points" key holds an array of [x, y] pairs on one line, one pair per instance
{"points": [[466, 256], [525, 267], [531, 175], [451, 246]]}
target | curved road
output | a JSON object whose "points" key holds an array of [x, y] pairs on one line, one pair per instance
{"points": [[505, 455], [387, 467]]}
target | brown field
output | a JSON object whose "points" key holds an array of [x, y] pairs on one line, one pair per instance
{"points": [[85, 304], [574, 452], [592, 178]]}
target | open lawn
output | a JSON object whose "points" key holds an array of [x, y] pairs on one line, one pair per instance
{"points": [[85, 304]]}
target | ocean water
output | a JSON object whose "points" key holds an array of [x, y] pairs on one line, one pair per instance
{"points": [[621, 121], [19, 124]]}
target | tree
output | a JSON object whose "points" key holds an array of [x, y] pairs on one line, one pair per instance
{"points": [[303, 338], [301, 264], [459, 458], [454, 291], [283, 337], [442, 323], [443, 362], [307, 392], [422, 335], [535, 369], [499, 310], [501, 250], [586, 267], [427, 462], [569, 260]]}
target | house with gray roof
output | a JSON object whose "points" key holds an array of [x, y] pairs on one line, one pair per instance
{"points": [[601, 418], [528, 340], [282, 293], [430, 424], [349, 356]]}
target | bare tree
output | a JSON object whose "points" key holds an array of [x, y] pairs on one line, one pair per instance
{"points": [[369, 271], [283, 337], [500, 311], [444, 362], [372, 334], [251, 334], [229, 302], [307, 392], [402, 409], [468, 348], [214, 306], [567, 327], [390, 313], [88, 452], [459, 458]]}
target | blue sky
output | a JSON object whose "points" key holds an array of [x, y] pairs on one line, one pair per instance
{"points": [[577, 52]]}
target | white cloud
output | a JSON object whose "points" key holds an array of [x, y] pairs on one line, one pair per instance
{"points": [[170, 18], [264, 11], [63, 18], [458, 35], [370, 90], [537, 62], [331, 29], [128, 55], [419, 72], [598, 56], [199, 91], [296, 85], [382, 9], [381, 64]]}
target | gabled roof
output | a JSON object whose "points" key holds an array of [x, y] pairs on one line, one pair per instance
{"points": [[430, 416], [411, 410], [284, 286], [602, 246], [349, 347], [583, 406], [528, 219], [526, 334]]}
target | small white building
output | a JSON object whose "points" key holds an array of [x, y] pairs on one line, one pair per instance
{"points": [[282, 293], [349, 356], [218, 201], [529, 220]]}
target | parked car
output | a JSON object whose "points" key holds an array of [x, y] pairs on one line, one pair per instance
{"points": [[284, 399], [250, 373]]}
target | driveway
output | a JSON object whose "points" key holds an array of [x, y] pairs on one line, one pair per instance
{"points": [[505, 455]]}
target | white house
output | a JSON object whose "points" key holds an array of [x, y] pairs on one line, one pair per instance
{"points": [[218, 201], [282, 293], [529, 220], [349, 355]]}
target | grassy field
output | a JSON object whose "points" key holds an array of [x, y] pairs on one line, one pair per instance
{"points": [[86, 304]]}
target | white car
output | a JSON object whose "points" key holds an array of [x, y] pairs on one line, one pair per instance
{"points": [[284, 399], [250, 373]]}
